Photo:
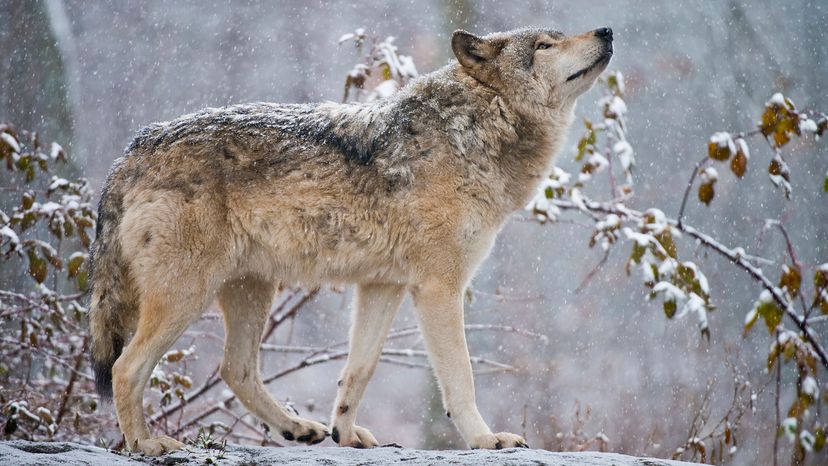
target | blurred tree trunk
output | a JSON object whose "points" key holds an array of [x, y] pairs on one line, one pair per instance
{"points": [[61, 29], [34, 92]]}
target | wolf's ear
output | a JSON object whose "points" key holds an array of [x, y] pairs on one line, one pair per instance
{"points": [[471, 51]]}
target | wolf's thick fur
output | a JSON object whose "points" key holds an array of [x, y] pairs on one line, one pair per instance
{"points": [[402, 195]]}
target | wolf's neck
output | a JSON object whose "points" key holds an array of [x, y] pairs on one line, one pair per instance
{"points": [[527, 151]]}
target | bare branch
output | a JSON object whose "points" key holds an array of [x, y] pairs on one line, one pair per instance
{"points": [[735, 256], [73, 377], [592, 272]]}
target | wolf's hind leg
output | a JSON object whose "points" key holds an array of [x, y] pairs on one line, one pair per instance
{"points": [[374, 309], [245, 303], [159, 325]]}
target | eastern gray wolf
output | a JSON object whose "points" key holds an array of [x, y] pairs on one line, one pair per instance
{"points": [[401, 195]]}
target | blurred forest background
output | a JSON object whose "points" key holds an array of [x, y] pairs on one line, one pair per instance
{"points": [[614, 373]]}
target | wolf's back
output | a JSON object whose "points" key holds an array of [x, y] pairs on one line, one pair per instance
{"points": [[114, 303]]}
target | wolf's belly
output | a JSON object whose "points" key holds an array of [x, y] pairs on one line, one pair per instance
{"points": [[311, 251]]}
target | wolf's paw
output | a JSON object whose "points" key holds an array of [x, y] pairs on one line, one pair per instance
{"points": [[355, 436], [498, 441], [158, 446], [305, 431]]}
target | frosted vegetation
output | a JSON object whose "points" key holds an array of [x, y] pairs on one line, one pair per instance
{"points": [[693, 242], [788, 306]]}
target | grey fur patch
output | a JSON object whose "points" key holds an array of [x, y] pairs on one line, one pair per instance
{"points": [[357, 141]]}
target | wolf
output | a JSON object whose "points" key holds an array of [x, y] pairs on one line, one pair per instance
{"points": [[399, 196]]}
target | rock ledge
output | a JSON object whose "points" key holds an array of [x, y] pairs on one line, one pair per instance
{"points": [[65, 454]]}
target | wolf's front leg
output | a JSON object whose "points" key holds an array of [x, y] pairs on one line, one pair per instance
{"points": [[440, 313], [375, 306]]}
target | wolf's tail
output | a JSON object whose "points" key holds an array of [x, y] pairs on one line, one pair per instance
{"points": [[114, 300]]}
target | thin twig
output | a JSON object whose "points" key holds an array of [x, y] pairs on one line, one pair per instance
{"points": [[401, 352], [792, 253], [688, 188], [592, 272], [265, 440], [73, 377], [502, 297], [33, 349], [776, 401]]}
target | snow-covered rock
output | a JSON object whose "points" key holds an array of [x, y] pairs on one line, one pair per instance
{"points": [[66, 454]]}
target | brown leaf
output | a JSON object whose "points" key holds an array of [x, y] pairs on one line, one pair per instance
{"points": [[706, 192], [791, 279], [739, 164], [779, 121]]}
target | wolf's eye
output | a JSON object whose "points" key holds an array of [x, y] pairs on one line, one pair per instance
{"points": [[543, 46]]}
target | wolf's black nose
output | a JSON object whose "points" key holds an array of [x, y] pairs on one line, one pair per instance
{"points": [[604, 33]]}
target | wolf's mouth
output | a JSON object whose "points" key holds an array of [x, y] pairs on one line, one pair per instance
{"points": [[604, 59]]}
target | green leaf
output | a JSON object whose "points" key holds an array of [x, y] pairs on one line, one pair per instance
{"points": [[38, 268], [686, 274], [635, 257], [585, 143], [637, 253], [771, 313], [27, 200], [666, 240], [83, 280], [24, 162], [75, 263], [669, 309], [51, 256], [612, 81], [819, 438], [29, 219]]}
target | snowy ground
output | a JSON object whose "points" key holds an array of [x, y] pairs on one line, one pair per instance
{"points": [[64, 454]]}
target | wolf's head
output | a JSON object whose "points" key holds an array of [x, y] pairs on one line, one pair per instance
{"points": [[535, 67]]}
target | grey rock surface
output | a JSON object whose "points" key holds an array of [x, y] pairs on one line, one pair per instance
{"points": [[65, 454]]}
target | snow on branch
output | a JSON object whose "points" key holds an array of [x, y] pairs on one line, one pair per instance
{"points": [[654, 236]]}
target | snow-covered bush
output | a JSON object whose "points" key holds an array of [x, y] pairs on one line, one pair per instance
{"points": [[45, 384], [789, 307], [381, 70]]}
